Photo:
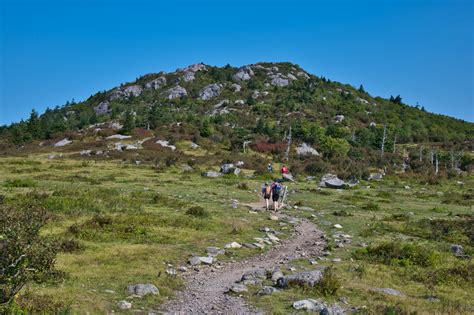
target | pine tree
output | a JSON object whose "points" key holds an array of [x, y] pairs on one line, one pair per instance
{"points": [[128, 122]]}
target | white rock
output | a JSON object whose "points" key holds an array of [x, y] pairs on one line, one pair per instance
{"points": [[338, 226], [63, 142], [117, 136], [124, 305], [233, 245], [166, 144]]}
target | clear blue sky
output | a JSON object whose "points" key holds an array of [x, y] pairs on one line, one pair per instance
{"points": [[53, 51]]}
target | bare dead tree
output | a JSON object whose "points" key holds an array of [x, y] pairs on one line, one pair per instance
{"points": [[421, 153], [287, 152], [245, 145], [436, 164], [383, 139], [394, 143]]}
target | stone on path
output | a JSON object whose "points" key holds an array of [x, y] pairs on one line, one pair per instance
{"points": [[238, 288], [310, 278], [267, 290]]}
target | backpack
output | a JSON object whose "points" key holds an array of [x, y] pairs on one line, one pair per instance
{"points": [[268, 190], [276, 189]]}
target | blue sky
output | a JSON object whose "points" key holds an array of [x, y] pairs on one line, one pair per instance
{"points": [[52, 51]]}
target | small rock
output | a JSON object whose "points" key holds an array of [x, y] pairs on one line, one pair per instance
{"points": [[143, 289], [390, 291], [309, 305], [238, 288], [457, 249], [233, 245], [124, 305], [338, 226], [267, 290], [274, 217]]}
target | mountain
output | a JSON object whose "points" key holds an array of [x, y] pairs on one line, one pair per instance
{"points": [[256, 104]]}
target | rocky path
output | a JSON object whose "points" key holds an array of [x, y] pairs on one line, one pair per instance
{"points": [[205, 291]]}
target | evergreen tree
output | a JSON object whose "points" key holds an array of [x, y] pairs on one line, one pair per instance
{"points": [[33, 125], [361, 89], [128, 122]]}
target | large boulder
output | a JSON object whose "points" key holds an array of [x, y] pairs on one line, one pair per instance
{"points": [[230, 168], [310, 305], [304, 149], [194, 68], [188, 76], [156, 83], [176, 92], [308, 278], [143, 289], [210, 91], [63, 142], [211, 174], [102, 108], [279, 80], [243, 74], [332, 181], [375, 176]]}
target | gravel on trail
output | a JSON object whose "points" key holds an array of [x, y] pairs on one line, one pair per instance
{"points": [[205, 291]]}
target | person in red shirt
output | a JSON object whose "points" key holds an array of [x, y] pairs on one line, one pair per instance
{"points": [[284, 170]]}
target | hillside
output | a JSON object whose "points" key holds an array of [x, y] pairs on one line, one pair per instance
{"points": [[128, 203], [256, 104]]}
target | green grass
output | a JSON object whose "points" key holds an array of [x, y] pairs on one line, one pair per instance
{"points": [[122, 224]]}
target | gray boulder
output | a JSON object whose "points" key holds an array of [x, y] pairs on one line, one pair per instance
{"points": [[390, 291], [375, 176], [133, 90], [102, 108], [211, 174], [310, 305], [124, 305], [304, 149], [287, 178], [243, 74], [279, 80], [197, 260], [176, 92], [332, 181], [210, 91], [258, 273], [457, 249], [238, 288], [188, 76], [236, 87], [230, 169], [309, 278], [156, 83], [267, 290], [63, 142], [194, 68], [335, 309], [143, 289]]}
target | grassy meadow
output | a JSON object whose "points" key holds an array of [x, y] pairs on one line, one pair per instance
{"points": [[120, 223]]}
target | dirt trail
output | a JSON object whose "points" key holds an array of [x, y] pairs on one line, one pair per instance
{"points": [[205, 290]]}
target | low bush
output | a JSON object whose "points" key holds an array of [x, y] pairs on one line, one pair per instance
{"points": [[371, 206], [197, 211], [341, 213], [399, 254], [329, 284]]}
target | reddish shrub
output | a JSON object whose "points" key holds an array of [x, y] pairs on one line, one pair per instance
{"points": [[266, 147]]}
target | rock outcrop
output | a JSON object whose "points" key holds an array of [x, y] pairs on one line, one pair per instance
{"points": [[243, 74], [176, 92], [210, 91], [305, 149], [102, 108], [156, 83]]}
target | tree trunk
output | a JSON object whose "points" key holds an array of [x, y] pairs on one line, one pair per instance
{"points": [[383, 139]]}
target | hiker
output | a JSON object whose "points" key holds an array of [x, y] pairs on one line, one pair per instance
{"points": [[276, 190], [266, 193], [270, 168], [284, 170]]}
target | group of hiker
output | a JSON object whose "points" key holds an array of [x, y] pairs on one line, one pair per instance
{"points": [[273, 190]]}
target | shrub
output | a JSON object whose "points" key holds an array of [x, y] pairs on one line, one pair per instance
{"points": [[197, 211], [329, 284], [399, 254], [26, 256], [243, 186], [70, 245], [371, 206], [341, 213]]}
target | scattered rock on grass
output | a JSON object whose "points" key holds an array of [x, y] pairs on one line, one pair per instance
{"points": [[310, 278], [143, 289], [238, 288], [267, 290], [211, 174], [124, 305], [457, 249], [390, 291], [309, 305], [233, 245]]}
